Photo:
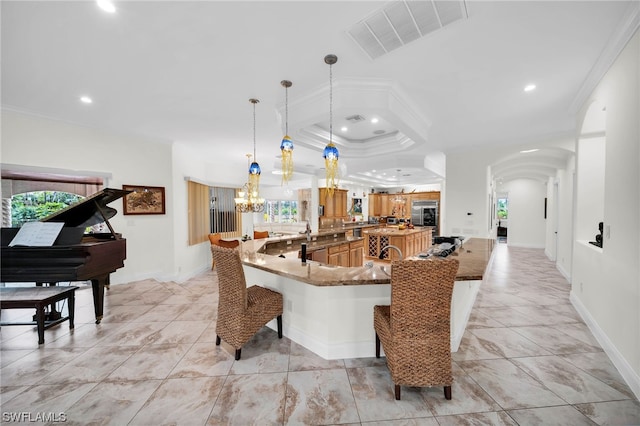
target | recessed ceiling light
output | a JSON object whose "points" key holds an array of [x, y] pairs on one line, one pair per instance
{"points": [[86, 100], [529, 87], [106, 5], [373, 171], [374, 120], [344, 128], [526, 151]]}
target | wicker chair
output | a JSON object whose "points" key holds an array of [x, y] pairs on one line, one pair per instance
{"points": [[415, 329], [242, 311], [216, 239], [260, 234]]}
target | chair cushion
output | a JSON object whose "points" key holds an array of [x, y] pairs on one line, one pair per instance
{"points": [[260, 234], [228, 244]]}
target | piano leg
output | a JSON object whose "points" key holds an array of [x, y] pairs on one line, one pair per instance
{"points": [[98, 285]]}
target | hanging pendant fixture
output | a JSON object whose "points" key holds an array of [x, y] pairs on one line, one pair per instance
{"points": [[250, 200], [286, 146], [331, 153]]}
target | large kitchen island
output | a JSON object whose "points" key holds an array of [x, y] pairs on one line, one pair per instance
{"points": [[329, 309], [410, 242]]}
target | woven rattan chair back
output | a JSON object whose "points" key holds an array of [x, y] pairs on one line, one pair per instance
{"points": [[232, 287], [242, 310], [421, 298], [415, 329], [216, 240]]}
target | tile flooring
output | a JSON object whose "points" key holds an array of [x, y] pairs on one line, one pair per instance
{"points": [[526, 358]]}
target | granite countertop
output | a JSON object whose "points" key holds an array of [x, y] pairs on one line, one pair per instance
{"points": [[396, 231], [290, 244], [349, 225], [474, 255]]}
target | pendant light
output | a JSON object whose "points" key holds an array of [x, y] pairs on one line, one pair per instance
{"points": [[286, 146], [330, 153], [250, 201]]}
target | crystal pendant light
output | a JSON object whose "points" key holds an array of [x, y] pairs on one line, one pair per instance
{"points": [[330, 153], [286, 147]]}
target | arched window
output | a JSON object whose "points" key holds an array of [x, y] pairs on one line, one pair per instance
{"points": [[32, 194]]}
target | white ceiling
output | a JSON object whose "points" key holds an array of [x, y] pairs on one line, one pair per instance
{"points": [[184, 71]]}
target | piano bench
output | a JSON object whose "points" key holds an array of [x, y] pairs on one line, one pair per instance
{"points": [[38, 298]]}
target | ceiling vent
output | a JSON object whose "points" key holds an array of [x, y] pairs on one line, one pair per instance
{"points": [[355, 118], [400, 22]]}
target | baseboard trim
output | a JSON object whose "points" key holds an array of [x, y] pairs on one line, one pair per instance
{"points": [[622, 365]]}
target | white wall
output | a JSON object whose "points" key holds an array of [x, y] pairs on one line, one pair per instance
{"points": [[527, 225], [565, 200], [606, 282], [551, 221], [590, 186], [466, 192], [39, 142]]}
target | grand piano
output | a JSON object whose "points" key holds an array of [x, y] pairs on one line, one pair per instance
{"points": [[74, 256]]}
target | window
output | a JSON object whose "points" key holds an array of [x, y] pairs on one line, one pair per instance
{"points": [[281, 211], [29, 194], [212, 210], [33, 206], [222, 210], [503, 208]]}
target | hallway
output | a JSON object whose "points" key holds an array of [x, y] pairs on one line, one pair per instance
{"points": [[526, 358]]}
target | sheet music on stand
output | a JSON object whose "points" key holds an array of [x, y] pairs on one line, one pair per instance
{"points": [[37, 234]]}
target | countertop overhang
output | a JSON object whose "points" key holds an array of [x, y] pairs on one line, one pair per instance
{"points": [[474, 256]]}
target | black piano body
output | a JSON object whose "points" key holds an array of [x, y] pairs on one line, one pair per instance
{"points": [[74, 256]]}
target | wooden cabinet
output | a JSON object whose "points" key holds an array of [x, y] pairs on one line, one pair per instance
{"points": [[385, 205], [335, 205], [356, 253], [380, 205], [409, 242], [374, 204], [339, 255]]}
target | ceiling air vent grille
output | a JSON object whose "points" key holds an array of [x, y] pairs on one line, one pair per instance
{"points": [[400, 22]]}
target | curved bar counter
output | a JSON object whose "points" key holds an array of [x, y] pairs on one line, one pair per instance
{"points": [[329, 309]]}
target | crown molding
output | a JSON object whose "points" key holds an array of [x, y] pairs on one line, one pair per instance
{"points": [[615, 45]]}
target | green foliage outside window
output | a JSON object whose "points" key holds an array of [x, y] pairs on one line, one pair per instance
{"points": [[32, 206], [281, 211], [503, 208]]}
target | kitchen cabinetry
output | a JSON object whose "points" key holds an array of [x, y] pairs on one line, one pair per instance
{"points": [[380, 205], [339, 255], [385, 205], [356, 253], [374, 204], [409, 241], [334, 205]]}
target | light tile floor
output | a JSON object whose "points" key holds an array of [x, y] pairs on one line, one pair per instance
{"points": [[526, 358]]}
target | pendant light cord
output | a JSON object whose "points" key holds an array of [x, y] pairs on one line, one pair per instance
{"points": [[330, 103], [286, 110], [254, 132]]}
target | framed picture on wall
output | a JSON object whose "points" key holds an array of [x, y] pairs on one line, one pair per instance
{"points": [[144, 199], [357, 206]]}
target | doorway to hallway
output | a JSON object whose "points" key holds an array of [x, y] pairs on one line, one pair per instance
{"points": [[502, 212]]}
